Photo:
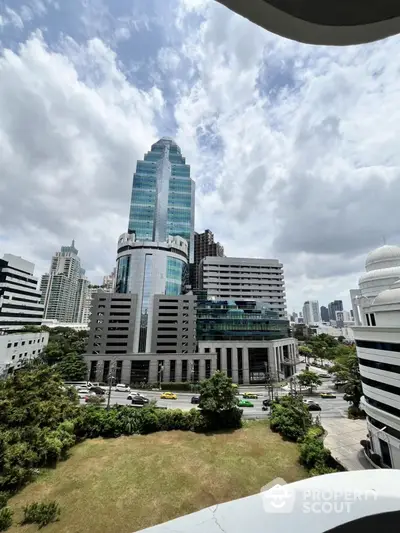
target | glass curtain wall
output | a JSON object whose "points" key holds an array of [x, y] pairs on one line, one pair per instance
{"points": [[146, 297]]}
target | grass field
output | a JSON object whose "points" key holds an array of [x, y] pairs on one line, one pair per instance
{"points": [[125, 484]]}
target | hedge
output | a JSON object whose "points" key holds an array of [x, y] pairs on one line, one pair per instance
{"points": [[122, 420]]}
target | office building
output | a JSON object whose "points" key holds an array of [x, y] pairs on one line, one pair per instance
{"points": [[377, 307], [17, 348], [109, 281], [311, 312], [324, 313], [204, 246], [64, 287], [20, 299], [237, 278], [147, 268], [336, 305], [163, 196], [251, 342]]}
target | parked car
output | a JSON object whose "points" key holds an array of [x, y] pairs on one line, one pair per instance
{"points": [[138, 399], [246, 403], [97, 390], [327, 395], [195, 399], [83, 391], [168, 396], [120, 387], [132, 394], [250, 395], [313, 406]]}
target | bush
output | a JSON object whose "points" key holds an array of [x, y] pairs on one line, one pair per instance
{"points": [[355, 413], [313, 452], [290, 417], [95, 400], [4, 497], [6, 515], [320, 469], [41, 513]]}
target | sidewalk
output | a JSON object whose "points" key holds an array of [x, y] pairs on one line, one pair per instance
{"points": [[343, 440]]}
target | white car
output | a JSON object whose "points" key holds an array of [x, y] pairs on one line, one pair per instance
{"points": [[133, 393], [122, 388], [83, 390]]}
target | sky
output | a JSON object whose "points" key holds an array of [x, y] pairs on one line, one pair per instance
{"points": [[294, 148]]}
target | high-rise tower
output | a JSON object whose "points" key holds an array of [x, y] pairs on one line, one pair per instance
{"points": [[64, 286], [162, 202]]}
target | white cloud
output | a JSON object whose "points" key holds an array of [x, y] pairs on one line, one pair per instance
{"points": [[13, 18], [69, 148], [293, 147], [307, 140]]}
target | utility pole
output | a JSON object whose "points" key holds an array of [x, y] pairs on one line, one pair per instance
{"points": [[110, 380]]}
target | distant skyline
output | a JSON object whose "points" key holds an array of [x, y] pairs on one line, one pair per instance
{"points": [[293, 148]]}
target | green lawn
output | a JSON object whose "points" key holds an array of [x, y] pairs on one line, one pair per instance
{"points": [[125, 484]]}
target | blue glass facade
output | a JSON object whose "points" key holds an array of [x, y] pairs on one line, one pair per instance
{"points": [[237, 321], [146, 296], [162, 201], [177, 277], [123, 272]]}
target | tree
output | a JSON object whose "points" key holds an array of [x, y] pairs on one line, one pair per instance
{"points": [[72, 367], [305, 351], [309, 379], [36, 426], [217, 394]]}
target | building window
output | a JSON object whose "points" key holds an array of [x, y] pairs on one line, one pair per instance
{"points": [[381, 366], [15, 344], [106, 371], [240, 365], [23, 343], [146, 297], [172, 368], [184, 369], [208, 368], [9, 345], [368, 322], [93, 371], [118, 372], [160, 370], [206, 350], [382, 386], [229, 362], [196, 368], [382, 406], [218, 350], [387, 346], [373, 323], [34, 351], [30, 342]]}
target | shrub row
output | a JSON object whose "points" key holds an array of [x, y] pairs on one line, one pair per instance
{"points": [[121, 420]]}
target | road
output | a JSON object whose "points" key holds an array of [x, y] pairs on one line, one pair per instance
{"points": [[331, 408]]}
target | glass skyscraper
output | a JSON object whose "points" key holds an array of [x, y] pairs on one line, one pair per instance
{"points": [[163, 194]]}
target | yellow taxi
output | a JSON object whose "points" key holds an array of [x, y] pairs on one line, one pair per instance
{"points": [[250, 395], [168, 396]]}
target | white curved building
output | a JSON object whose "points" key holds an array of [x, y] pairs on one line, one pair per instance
{"points": [[377, 336], [146, 268]]}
